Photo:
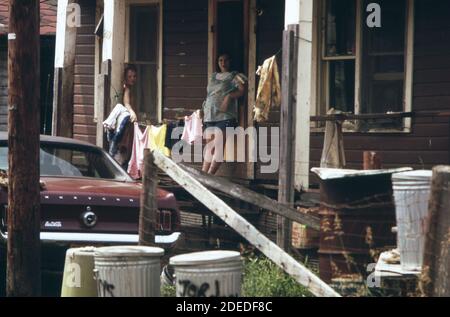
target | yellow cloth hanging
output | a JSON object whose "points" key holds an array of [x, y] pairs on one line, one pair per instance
{"points": [[269, 90], [157, 139]]}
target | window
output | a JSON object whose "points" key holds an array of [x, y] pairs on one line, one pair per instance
{"points": [[143, 52], [365, 70]]}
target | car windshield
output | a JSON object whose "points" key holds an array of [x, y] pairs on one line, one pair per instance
{"points": [[58, 160]]}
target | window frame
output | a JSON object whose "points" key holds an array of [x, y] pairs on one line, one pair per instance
{"points": [[321, 63], [159, 4]]}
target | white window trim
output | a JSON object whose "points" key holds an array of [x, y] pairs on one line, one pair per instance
{"points": [[160, 46], [319, 71]]}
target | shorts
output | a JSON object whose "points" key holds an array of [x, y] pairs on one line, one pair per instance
{"points": [[222, 125]]}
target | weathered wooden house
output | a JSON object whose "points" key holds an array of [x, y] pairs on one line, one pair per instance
{"points": [[345, 64], [345, 61], [48, 9]]}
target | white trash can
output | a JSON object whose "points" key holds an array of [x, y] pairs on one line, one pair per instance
{"points": [[78, 279], [411, 194], [128, 271], [208, 274]]}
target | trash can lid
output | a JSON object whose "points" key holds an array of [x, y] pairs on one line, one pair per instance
{"points": [[207, 257], [89, 251], [418, 175], [129, 251]]}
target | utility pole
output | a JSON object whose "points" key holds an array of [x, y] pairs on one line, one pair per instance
{"points": [[23, 260]]}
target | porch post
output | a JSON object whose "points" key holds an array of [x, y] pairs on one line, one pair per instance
{"points": [[304, 94], [64, 73], [114, 43]]}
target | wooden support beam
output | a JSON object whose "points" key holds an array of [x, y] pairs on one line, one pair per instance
{"points": [[435, 280], [287, 135], [63, 104], [147, 215], [57, 99], [249, 196], [24, 253], [299, 272], [381, 116], [103, 100]]}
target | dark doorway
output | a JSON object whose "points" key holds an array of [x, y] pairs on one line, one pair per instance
{"points": [[230, 32]]}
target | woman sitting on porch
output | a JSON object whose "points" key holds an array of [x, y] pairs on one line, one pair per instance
{"points": [[221, 111], [129, 101]]}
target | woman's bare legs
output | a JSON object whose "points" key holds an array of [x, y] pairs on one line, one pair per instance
{"points": [[208, 153], [218, 157]]}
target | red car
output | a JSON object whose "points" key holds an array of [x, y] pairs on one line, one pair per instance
{"points": [[88, 197]]}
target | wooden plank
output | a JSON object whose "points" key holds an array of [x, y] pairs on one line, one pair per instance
{"points": [[57, 99], [299, 272], [251, 197], [389, 143], [65, 111], [147, 215], [287, 137], [252, 21]]}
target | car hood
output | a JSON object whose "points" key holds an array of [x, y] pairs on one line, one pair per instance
{"points": [[96, 191]]}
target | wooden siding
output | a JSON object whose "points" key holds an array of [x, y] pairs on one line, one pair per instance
{"points": [[84, 127], [428, 143], [3, 87], [185, 56]]}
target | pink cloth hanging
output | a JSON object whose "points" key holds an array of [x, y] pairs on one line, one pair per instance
{"points": [[193, 128], [140, 141]]}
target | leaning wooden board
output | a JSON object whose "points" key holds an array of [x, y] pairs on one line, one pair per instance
{"points": [[299, 272]]}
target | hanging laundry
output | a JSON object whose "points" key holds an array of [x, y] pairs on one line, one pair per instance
{"points": [[193, 128], [140, 142], [333, 154], [115, 117], [157, 139], [115, 126], [269, 90], [174, 133]]}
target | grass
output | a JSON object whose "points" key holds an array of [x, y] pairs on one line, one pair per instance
{"points": [[262, 278], [168, 291]]}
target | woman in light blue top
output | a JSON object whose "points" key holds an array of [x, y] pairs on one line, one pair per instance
{"points": [[221, 111]]}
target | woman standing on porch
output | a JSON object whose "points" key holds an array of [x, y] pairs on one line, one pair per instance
{"points": [[221, 111]]}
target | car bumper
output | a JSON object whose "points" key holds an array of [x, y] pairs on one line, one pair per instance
{"points": [[64, 238]]}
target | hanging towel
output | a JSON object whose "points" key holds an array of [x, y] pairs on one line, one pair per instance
{"points": [[269, 90], [157, 139], [333, 154], [193, 128], [136, 165]]}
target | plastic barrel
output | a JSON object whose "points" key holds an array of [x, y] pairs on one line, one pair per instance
{"points": [[411, 193], [78, 278], [208, 274], [128, 271]]}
